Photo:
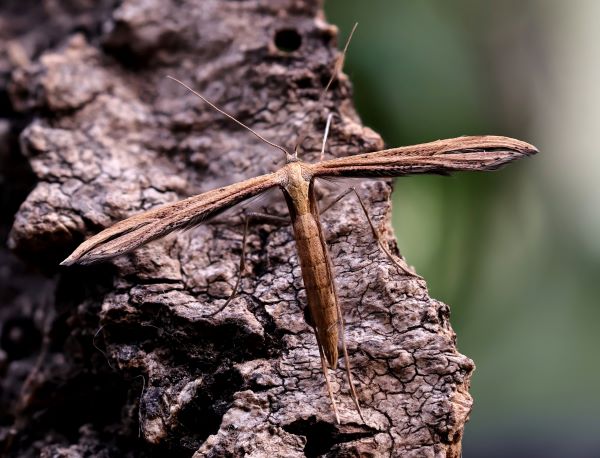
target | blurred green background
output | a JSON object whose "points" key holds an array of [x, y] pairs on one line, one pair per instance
{"points": [[515, 253]]}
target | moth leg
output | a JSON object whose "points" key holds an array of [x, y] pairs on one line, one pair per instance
{"points": [[398, 262], [242, 267], [326, 375], [347, 368]]}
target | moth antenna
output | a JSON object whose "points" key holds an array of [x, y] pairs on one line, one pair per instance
{"points": [[325, 135], [339, 63], [223, 112], [336, 69]]}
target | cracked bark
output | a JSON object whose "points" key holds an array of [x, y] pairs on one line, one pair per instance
{"points": [[130, 341]]}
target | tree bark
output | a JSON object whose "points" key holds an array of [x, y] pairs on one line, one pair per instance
{"points": [[129, 348]]}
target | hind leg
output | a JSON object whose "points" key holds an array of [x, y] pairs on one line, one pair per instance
{"points": [[326, 375], [347, 365], [398, 262]]}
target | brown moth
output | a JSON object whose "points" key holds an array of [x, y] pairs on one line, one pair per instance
{"points": [[296, 179]]}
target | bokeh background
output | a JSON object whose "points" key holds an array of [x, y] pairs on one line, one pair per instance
{"points": [[516, 253]]}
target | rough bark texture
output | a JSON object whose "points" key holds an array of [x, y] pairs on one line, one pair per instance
{"points": [[121, 359]]}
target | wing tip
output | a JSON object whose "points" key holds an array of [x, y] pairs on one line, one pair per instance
{"points": [[72, 260], [513, 148], [517, 146], [529, 149]]}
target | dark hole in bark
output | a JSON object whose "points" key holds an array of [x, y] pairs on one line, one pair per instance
{"points": [[213, 400], [322, 436], [325, 79], [288, 40], [304, 83]]}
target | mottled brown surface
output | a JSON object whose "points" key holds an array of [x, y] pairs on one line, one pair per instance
{"points": [[107, 135]]}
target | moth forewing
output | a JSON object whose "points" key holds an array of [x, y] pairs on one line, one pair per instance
{"points": [[442, 156], [139, 229]]}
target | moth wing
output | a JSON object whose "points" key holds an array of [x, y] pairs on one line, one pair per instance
{"points": [[442, 157], [139, 229]]}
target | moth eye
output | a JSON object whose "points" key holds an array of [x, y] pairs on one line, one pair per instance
{"points": [[288, 40]]}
